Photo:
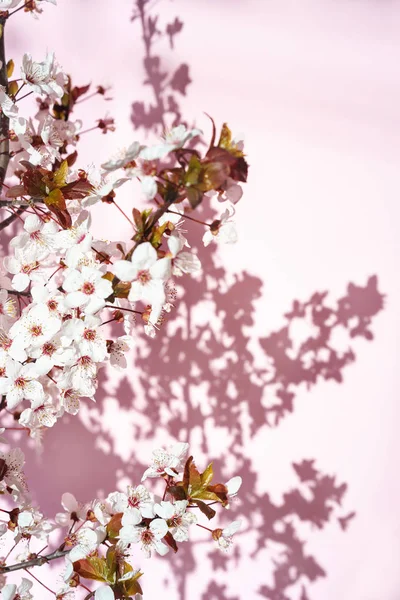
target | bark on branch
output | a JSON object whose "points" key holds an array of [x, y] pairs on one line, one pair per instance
{"points": [[34, 562]]}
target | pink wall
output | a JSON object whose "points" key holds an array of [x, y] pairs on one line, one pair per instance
{"points": [[314, 87]]}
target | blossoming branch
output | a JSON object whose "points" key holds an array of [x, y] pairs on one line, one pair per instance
{"points": [[61, 286]]}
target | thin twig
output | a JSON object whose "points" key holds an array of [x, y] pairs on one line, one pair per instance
{"points": [[4, 121]]}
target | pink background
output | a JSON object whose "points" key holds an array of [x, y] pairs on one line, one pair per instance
{"points": [[314, 87]]}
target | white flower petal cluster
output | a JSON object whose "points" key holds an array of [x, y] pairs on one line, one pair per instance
{"points": [[51, 351], [167, 462], [22, 592], [225, 540], [43, 77], [130, 519], [225, 232]]}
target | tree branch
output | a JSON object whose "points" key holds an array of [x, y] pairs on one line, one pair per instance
{"points": [[4, 121], [34, 562]]}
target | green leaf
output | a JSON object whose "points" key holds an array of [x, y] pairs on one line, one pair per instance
{"points": [[94, 568], [60, 176]]}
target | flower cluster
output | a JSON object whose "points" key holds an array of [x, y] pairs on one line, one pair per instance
{"points": [[60, 287], [64, 284], [101, 537]]}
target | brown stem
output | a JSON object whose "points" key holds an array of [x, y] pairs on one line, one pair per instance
{"points": [[14, 216], [4, 121], [24, 96], [41, 582], [34, 562], [173, 212]]}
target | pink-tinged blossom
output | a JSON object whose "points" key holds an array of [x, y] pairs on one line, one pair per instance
{"points": [[25, 268], [87, 541], [22, 592], [86, 289], [77, 235], [148, 537], [145, 172], [124, 158], [118, 350], [75, 511], [182, 262], [42, 413], [51, 354], [13, 470], [176, 138], [35, 327], [225, 232], [103, 186], [81, 377], [20, 383], [43, 77], [54, 301], [70, 400], [38, 238], [130, 519], [225, 539], [178, 518], [167, 462], [87, 336], [146, 273], [32, 523], [136, 499]]}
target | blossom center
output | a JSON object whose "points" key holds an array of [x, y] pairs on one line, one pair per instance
{"points": [[144, 277], [89, 335], [52, 305], [88, 288], [20, 382], [85, 361], [36, 330], [147, 537], [133, 501], [35, 235], [49, 349]]}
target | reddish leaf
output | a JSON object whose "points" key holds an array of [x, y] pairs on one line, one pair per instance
{"points": [[177, 492], [205, 509], [170, 541], [77, 190]]}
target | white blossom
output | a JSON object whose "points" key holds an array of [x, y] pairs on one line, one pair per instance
{"points": [[226, 232], [22, 592], [167, 462], [86, 289], [149, 537], [178, 518], [43, 77]]}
